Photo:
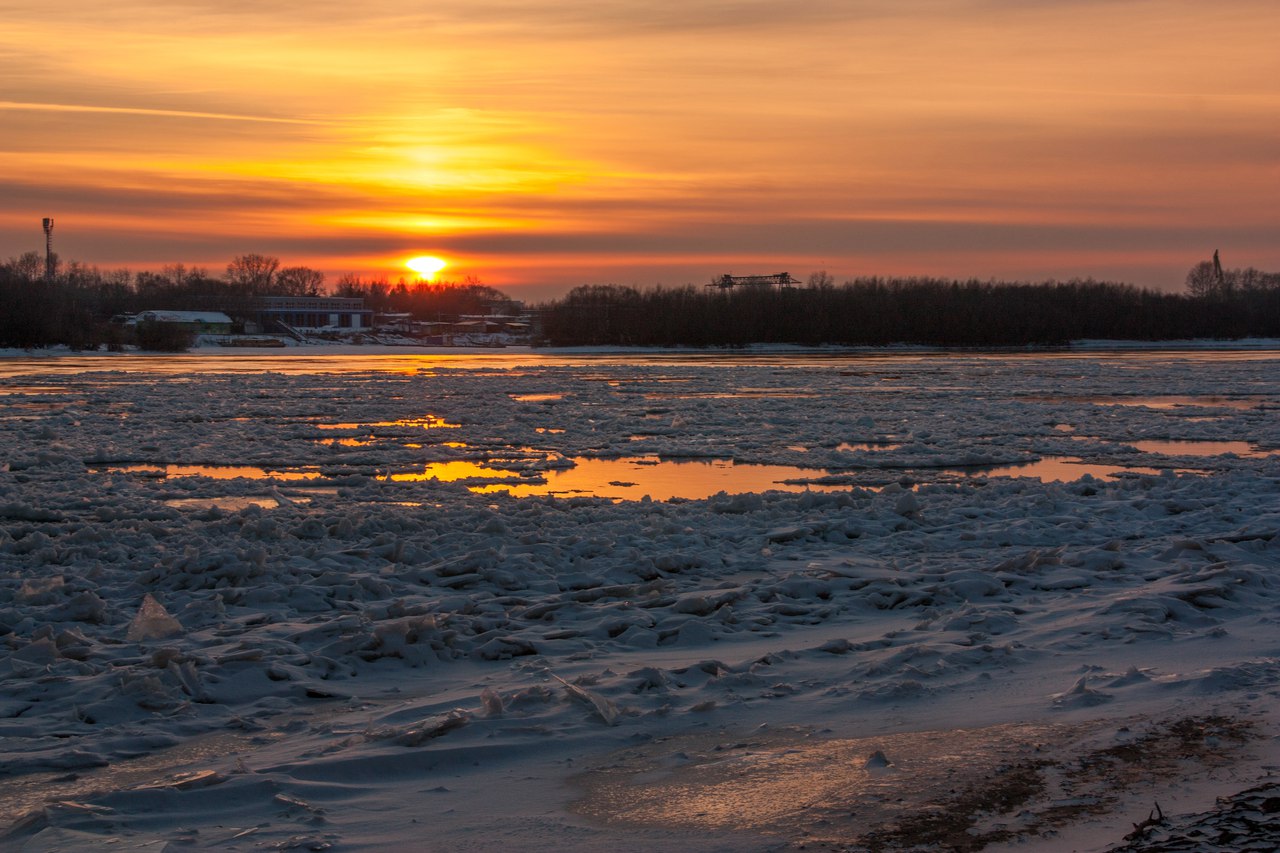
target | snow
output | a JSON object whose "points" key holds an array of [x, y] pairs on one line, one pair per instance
{"points": [[352, 660], [194, 317]]}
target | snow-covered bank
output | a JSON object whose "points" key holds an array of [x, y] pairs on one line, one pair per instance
{"points": [[388, 664]]}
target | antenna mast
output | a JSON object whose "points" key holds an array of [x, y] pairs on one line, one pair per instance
{"points": [[48, 249]]}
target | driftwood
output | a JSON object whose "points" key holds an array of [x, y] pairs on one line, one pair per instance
{"points": [[1154, 819]]}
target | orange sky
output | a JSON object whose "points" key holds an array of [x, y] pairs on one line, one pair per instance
{"points": [[542, 144]]}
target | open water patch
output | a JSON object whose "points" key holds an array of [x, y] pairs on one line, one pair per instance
{"points": [[1243, 449], [627, 478], [1047, 469], [1062, 469], [633, 478]]}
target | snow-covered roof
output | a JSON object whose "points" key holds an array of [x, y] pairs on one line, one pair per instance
{"points": [[206, 317]]}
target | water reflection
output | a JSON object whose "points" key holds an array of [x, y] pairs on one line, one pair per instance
{"points": [[1060, 469], [1202, 448], [635, 477], [628, 478], [449, 472]]}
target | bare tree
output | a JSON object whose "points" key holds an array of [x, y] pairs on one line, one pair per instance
{"points": [[29, 266], [181, 275], [255, 273], [820, 279], [299, 281], [1203, 280]]}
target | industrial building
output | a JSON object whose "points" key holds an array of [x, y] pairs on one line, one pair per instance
{"points": [[284, 313]]}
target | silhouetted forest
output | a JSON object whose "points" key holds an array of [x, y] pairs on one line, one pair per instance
{"points": [[76, 306], [880, 311], [426, 300]]}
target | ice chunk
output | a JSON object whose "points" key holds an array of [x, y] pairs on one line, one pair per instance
{"points": [[1132, 676], [1081, 695], [877, 760], [492, 702], [87, 606], [605, 708], [432, 728], [786, 534], [153, 622], [40, 590], [42, 652]]}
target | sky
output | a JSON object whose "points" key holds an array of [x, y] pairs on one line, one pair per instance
{"points": [[537, 145]]}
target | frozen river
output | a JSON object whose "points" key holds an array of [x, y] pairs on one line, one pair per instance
{"points": [[675, 425], [253, 601]]}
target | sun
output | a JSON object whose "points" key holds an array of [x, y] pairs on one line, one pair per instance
{"points": [[426, 266]]}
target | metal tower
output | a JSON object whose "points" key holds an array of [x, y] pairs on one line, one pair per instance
{"points": [[48, 249]]}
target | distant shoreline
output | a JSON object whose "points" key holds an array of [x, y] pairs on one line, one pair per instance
{"points": [[1082, 346]]}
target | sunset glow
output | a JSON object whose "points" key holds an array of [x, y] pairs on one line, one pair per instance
{"points": [[426, 266], [556, 144]]}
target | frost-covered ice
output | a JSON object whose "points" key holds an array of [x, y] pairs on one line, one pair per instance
{"points": [[341, 654]]}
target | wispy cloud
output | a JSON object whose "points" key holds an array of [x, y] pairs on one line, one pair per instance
{"points": [[145, 111]]}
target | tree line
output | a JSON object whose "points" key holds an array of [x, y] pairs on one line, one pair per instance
{"points": [[76, 306], [925, 311], [429, 301]]}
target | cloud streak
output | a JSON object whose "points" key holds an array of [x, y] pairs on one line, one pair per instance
{"points": [[150, 112]]}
